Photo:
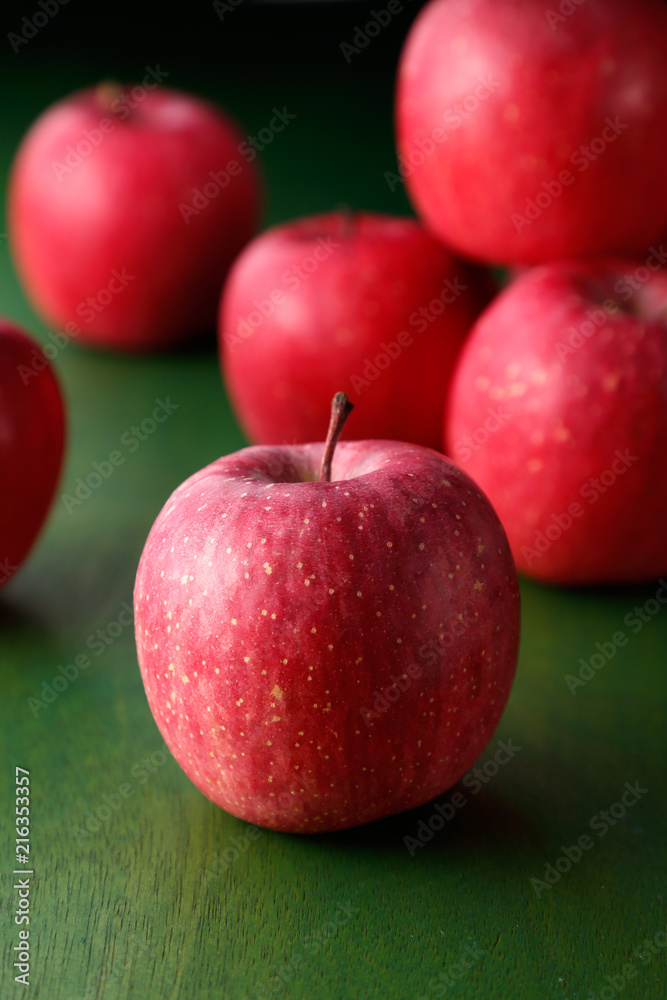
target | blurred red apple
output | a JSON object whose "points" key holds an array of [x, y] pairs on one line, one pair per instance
{"points": [[366, 302], [321, 653], [32, 432], [558, 410], [126, 208], [526, 134]]}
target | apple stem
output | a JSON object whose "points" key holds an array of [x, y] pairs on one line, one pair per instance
{"points": [[341, 407], [107, 93]]}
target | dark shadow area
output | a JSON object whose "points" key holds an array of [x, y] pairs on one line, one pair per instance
{"points": [[628, 591], [485, 824], [18, 619], [243, 35], [198, 344]]}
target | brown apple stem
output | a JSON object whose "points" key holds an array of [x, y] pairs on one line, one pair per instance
{"points": [[341, 407], [108, 92]]}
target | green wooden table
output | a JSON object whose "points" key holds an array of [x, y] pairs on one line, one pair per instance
{"points": [[141, 887]]}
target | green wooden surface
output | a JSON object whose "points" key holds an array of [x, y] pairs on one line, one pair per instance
{"points": [[145, 906]]}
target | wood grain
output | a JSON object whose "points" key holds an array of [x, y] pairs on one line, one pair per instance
{"points": [[147, 906]]}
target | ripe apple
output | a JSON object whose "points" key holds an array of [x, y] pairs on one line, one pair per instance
{"points": [[527, 134], [368, 302], [558, 410], [32, 432], [281, 615], [126, 208]]}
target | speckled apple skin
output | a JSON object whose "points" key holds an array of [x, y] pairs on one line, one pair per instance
{"points": [[566, 411], [498, 99], [270, 611]]}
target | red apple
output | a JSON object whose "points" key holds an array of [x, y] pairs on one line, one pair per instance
{"points": [[32, 432], [368, 302], [559, 411], [126, 208], [318, 654], [527, 134]]}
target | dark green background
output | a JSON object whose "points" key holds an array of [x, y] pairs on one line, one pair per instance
{"points": [[144, 907]]}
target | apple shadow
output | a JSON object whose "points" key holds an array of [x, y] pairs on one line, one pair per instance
{"points": [[203, 342], [627, 591], [63, 602], [486, 824], [19, 619]]}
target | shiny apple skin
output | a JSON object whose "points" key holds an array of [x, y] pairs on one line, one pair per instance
{"points": [[572, 357], [118, 213], [382, 317], [515, 94], [272, 609]]}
